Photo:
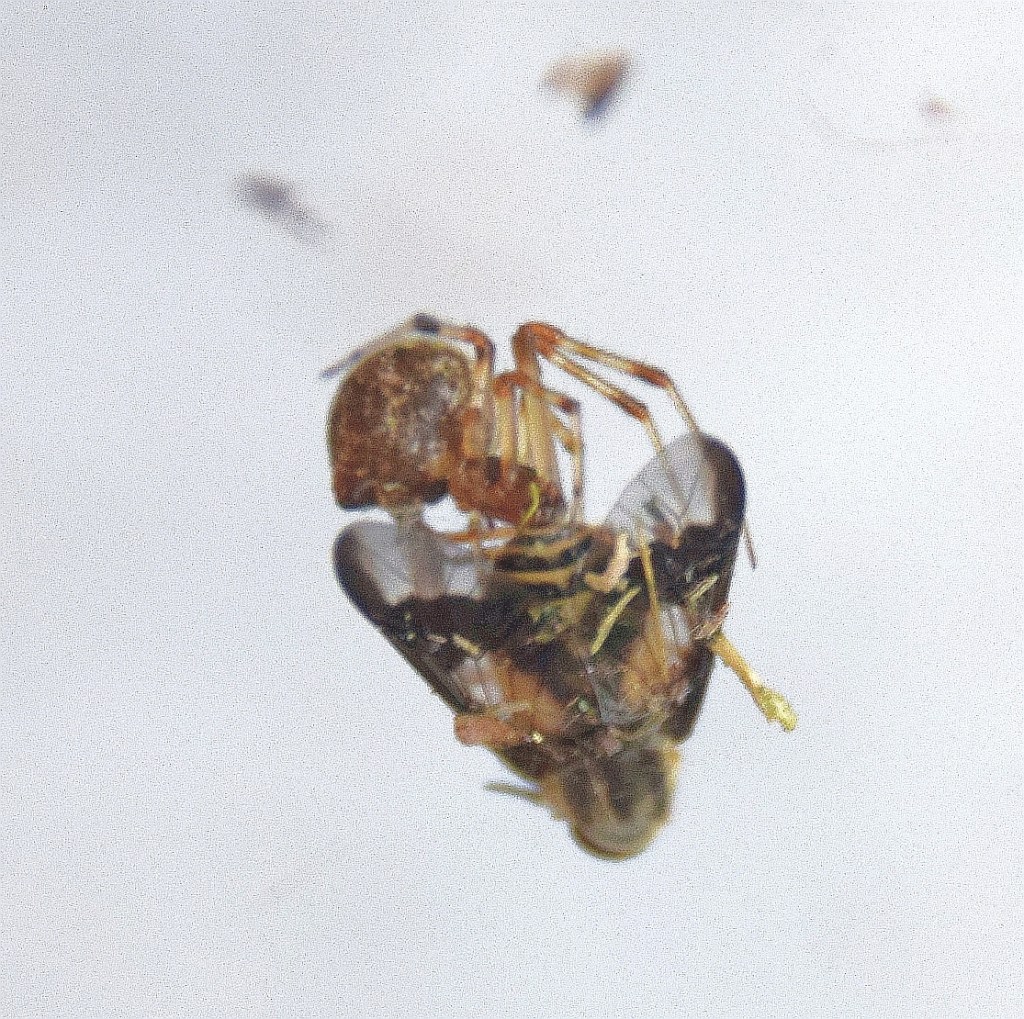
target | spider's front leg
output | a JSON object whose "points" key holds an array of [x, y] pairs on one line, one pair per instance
{"points": [[534, 340]]}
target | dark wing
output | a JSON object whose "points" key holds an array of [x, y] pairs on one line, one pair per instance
{"points": [[427, 596], [687, 507]]}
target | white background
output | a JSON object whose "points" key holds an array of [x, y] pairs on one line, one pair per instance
{"points": [[220, 791]]}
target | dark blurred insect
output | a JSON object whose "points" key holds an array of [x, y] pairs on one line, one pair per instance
{"points": [[591, 80], [579, 653], [278, 200]]}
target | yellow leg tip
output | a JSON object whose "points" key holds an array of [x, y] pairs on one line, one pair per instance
{"points": [[773, 705], [776, 708]]}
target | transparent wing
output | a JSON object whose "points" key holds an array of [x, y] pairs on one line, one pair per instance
{"points": [[410, 560], [695, 481], [428, 597]]}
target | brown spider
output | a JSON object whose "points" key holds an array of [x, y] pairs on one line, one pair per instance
{"points": [[419, 414]]}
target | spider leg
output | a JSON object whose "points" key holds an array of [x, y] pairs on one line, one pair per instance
{"points": [[537, 339], [533, 443], [479, 416]]}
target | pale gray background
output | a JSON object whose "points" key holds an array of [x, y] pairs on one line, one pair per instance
{"points": [[220, 791]]}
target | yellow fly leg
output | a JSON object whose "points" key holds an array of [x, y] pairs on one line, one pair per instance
{"points": [[607, 580], [773, 705], [610, 618]]}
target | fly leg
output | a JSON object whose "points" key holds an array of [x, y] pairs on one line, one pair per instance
{"points": [[772, 704], [491, 731]]}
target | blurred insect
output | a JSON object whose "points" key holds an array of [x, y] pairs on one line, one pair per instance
{"points": [[278, 200], [590, 79], [937, 109], [579, 654]]}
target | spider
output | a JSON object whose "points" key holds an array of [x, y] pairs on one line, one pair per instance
{"points": [[420, 414]]}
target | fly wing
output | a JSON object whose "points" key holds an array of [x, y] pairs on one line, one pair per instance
{"points": [[695, 481], [427, 596], [687, 507]]}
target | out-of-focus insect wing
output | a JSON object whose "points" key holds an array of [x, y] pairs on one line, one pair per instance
{"points": [[426, 595]]}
